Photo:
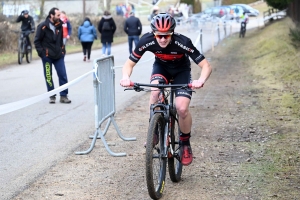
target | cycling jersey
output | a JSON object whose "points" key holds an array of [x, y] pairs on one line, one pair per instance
{"points": [[175, 55]]}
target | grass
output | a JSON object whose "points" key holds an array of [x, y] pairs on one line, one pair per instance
{"points": [[276, 69], [272, 65], [9, 58]]}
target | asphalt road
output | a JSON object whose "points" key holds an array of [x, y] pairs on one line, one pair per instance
{"points": [[36, 137]]}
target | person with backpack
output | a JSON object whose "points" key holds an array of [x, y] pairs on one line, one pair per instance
{"points": [[87, 34], [107, 28]]}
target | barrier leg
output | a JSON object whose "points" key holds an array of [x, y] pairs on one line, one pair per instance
{"points": [[91, 146], [107, 148], [119, 132], [99, 134]]}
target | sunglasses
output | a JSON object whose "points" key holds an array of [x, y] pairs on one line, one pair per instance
{"points": [[166, 36]]}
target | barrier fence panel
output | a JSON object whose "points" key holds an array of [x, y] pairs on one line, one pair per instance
{"points": [[104, 95]]}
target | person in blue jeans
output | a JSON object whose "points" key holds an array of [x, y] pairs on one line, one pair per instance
{"points": [[133, 28], [87, 34], [107, 28], [49, 45]]}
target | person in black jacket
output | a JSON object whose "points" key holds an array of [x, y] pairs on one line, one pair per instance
{"points": [[50, 47], [107, 28], [133, 28], [27, 25]]}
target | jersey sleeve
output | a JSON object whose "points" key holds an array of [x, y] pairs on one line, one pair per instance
{"points": [[194, 53], [145, 41]]}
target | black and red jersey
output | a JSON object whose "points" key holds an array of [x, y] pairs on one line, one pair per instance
{"points": [[175, 55]]}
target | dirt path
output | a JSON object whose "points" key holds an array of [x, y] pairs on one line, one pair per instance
{"points": [[228, 136]]}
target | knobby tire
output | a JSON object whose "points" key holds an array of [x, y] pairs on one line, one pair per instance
{"points": [[28, 55], [20, 54], [175, 167], [156, 163]]}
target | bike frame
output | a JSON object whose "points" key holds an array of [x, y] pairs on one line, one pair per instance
{"points": [[23, 42], [165, 108]]}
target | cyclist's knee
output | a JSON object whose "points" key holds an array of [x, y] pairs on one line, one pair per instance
{"points": [[182, 106], [182, 111]]}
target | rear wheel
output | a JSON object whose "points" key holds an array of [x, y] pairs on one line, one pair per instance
{"points": [[175, 166], [156, 161]]}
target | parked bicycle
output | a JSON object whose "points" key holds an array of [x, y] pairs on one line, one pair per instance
{"points": [[23, 48], [162, 144]]}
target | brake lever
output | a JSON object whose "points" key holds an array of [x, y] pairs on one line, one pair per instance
{"points": [[128, 89], [137, 89]]}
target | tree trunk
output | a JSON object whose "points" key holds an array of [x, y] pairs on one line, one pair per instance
{"points": [[83, 7], [41, 10]]}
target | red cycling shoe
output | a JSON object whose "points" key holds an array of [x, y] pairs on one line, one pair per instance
{"points": [[187, 155]]}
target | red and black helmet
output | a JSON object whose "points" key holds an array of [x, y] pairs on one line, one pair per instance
{"points": [[163, 22]]}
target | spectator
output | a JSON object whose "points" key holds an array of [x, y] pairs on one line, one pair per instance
{"points": [[27, 25], [107, 28], [245, 19], [132, 8], [87, 34], [119, 10], [133, 28], [67, 28], [49, 45], [124, 10], [154, 13], [221, 13]]}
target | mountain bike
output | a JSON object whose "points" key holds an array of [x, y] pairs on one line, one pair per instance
{"points": [[23, 48], [243, 29], [162, 144]]}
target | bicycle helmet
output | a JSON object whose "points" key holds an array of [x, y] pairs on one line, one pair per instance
{"points": [[163, 22], [25, 12]]}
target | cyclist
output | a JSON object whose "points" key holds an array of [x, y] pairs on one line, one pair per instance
{"points": [[172, 51], [245, 20], [27, 25]]}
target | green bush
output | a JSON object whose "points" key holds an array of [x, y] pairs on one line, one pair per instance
{"points": [[229, 2], [278, 4], [295, 36]]}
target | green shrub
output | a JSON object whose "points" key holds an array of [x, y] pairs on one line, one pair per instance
{"points": [[278, 4], [229, 2], [295, 36]]}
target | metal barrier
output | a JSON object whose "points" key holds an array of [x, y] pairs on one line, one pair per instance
{"points": [[104, 90]]}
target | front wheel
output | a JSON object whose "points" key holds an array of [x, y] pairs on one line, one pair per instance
{"points": [[29, 55], [20, 52], [156, 162], [175, 166]]}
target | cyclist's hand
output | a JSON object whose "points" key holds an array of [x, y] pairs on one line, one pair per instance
{"points": [[125, 82], [196, 84]]}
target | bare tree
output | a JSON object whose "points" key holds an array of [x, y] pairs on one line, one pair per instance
{"points": [[42, 9], [108, 2], [83, 7]]}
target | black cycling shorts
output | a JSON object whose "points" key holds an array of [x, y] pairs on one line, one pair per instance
{"points": [[176, 76]]}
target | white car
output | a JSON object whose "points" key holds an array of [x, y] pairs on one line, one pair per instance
{"points": [[249, 10]]}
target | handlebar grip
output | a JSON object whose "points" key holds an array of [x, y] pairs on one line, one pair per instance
{"points": [[131, 83], [190, 85]]}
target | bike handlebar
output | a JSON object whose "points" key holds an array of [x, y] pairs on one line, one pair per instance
{"points": [[133, 84]]}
